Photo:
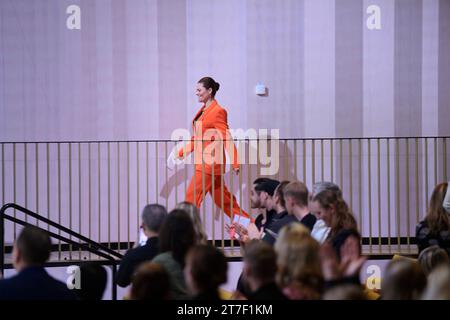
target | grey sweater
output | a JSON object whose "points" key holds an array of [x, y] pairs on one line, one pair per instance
{"points": [[175, 271]]}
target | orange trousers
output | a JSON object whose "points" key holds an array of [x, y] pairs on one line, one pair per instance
{"points": [[196, 186]]}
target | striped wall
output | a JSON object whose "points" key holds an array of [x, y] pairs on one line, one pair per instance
{"points": [[130, 71]]}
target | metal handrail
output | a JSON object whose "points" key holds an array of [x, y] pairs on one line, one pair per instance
{"points": [[231, 139], [60, 227], [89, 245]]}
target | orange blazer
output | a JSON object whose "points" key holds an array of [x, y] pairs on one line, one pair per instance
{"points": [[211, 136]]}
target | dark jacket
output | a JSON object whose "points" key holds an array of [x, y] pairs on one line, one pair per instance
{"points": [[271, 233], [425, 238], [268, 292], [133, 258], [34, 283], [212, 295]]}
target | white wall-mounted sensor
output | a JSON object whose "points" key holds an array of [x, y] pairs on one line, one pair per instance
{"points": [[260, 89]]}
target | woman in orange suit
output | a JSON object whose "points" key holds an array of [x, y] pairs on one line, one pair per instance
{"points": [[211, 136]]}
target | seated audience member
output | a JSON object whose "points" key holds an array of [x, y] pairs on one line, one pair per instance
{"points": [[403, 280], [299, 270], [284, 218], [265, 216], [262, 194], [278, 212], [150, 282], [194, 214], [260, 267], [333, 210], [435, 228], [176, 237], [296, 200], [31, 250], [153, 217], [205, 270], [345, 292], [93, 279], [438, 285], [431, 258], [321, 230], [345, 267]]}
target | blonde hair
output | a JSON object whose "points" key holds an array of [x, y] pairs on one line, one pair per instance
{"points": [[298, 260], [298, 192], [194, 214]]}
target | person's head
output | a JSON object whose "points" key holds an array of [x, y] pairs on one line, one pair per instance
{"points": [[438, 286], [260, 264], [437, 218], [177, 235], [255, 196], [433, 257], [206, 269], [150, 282], [93, 279], [298, 260], [334, 211], [32, 248], [403, 280], [206, 89], [266, 191], [194, 214], [295, 195], [318, 187], [153, 216], [278, 196], [345, 292]]}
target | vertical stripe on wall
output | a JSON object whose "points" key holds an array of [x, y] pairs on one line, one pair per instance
{"points": [[319, 68], [142, 61], [89, 69], [430, 46], [172, 65], [408, 99], [120, 69], [104, 51], [275, 48], [444, 68], [349, 87], [378, 63], [349, 69], [408, 67]]}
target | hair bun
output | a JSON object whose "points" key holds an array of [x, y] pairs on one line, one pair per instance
{"points": [[217, 85]]}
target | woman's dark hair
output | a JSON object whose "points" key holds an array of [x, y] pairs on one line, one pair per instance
{"points": [[209, 83], [93, 281], [150, 282], [208, 267], [342, 217], [404, 279], [177, 235], [437, 218]]}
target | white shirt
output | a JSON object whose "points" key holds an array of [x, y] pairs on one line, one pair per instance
{"points": [[320, 231]]}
